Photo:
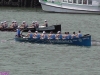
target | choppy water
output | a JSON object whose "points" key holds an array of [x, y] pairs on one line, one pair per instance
{"points": [[41, 59]]}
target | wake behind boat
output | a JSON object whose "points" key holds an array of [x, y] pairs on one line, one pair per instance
{"points": [[71, 6]]}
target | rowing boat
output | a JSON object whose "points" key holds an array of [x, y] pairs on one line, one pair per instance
{"points": [[53, 28], [82, 41]]}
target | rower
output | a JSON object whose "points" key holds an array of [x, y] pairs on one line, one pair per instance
{"points": [[1, 25], [51, 35], [30, 35], [12, 24], [24, 24], [36, 35], [74, 35], [36, 24], [43, 35], [59, 35], [66, 36], [79, 34], [5, 24], [33, 24], [15, 24], [45, 23]]}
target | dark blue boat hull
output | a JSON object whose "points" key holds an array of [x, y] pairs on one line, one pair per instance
{"points": [[83, 41]]}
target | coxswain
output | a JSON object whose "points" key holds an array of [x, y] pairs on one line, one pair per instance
{"points": [[18, 32], [45, 23]]}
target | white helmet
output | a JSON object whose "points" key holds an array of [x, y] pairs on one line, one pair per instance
{"points": [[36, 31], [43, 32], [45, 20], [1, 22], [5, 21]]}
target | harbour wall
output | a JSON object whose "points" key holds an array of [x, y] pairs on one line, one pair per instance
{"points": [[20, 3]]}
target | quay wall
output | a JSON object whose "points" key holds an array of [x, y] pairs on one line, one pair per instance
{"points": [[20, 3]]}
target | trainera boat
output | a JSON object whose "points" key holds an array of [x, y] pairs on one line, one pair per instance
{"points": [[82, 41], [53, 28], [71, 6]]}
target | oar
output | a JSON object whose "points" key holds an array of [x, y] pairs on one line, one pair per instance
{"points": [[10, 39]]}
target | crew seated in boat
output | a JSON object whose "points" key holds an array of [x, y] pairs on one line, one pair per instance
{"points": [[51, 35], [5, 25], [29, 35], [1, 25], [79, 34], [15, 24], [59, 35], [36, 24], [36, 35], [45, 23], [67, 35], [24, 25], [33, 25], [12, 25], [74, 35], [44, 35]]}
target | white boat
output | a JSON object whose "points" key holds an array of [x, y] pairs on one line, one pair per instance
{"points": [[71, 6]]}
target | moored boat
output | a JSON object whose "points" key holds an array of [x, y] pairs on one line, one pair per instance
{"points": [[71, 6], [82, 41], [53, 28]]}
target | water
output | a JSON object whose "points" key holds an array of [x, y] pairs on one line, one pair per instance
{"points": [[41, 59]]}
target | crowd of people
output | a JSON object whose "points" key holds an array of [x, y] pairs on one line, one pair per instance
{"points": [[14, 24]]}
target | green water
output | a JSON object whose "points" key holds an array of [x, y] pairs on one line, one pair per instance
{"points": [[41, 59]]}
